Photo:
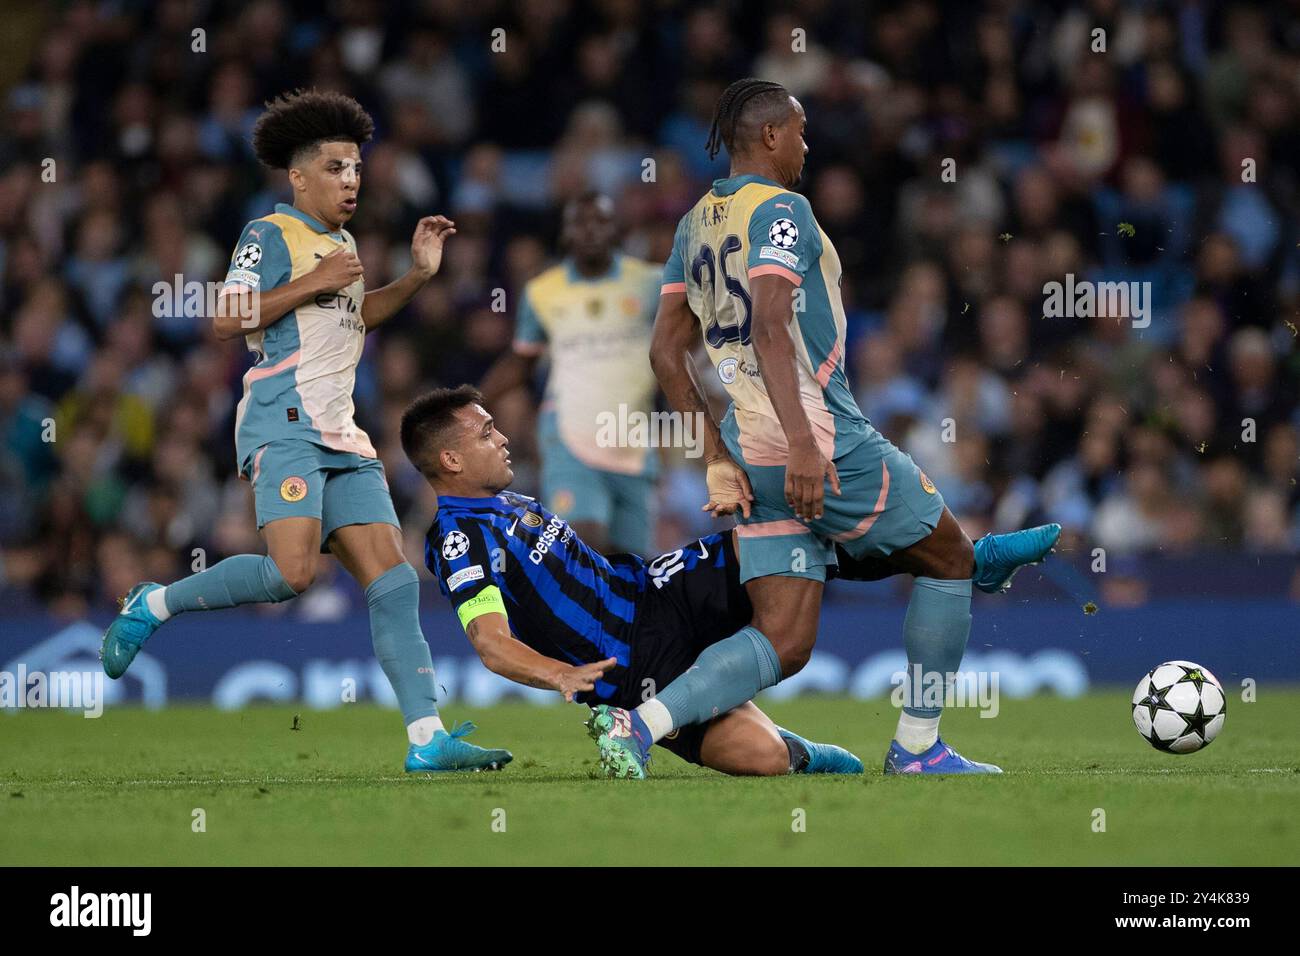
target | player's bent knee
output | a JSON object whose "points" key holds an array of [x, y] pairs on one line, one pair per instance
{"points": [[794, 659], [298, 575], [952, 558], [793, 644], [965, 556], [775, 759], [766, 758]]}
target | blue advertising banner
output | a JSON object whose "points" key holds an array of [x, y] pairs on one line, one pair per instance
{"points": [[234, 658]]}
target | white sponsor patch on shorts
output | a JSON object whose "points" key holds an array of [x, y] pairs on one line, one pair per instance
{"points": [[244, 277], [780, 255], [473, 573]]}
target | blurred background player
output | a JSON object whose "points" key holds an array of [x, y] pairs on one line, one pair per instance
{"points": [[296, 292], [795, 455], [592, 315]]}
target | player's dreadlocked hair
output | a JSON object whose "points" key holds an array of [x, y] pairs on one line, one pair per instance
{"points": [[426, 422], [731, 104], [302, 120]]}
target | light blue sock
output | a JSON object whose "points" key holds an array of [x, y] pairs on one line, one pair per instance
{"points": [[243, 579], [394, 601], [725, 675], [935, 632]]}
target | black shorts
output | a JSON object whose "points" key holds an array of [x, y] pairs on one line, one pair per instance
{"points": [[694, 599]]}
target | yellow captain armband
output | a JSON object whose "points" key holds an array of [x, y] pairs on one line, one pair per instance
{"points": [[487, 601]]}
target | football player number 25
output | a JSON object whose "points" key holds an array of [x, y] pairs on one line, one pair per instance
{"points": [[719, 332]]}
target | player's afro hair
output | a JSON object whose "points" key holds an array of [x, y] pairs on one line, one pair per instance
{"points": [[426, 422], [750, 99], [300, 121]]}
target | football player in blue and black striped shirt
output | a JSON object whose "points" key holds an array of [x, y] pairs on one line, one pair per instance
{"points": [[544, 609]]}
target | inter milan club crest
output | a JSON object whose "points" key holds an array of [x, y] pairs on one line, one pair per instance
{"points": [[454, 545], [293, 489], [783, 233], [248, 256]]}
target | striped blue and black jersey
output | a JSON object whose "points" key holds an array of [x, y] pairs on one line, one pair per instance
{"points": [[562, 598], [573, 604]]}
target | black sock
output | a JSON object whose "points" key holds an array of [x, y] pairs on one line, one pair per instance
{"points": [[799, 755]]}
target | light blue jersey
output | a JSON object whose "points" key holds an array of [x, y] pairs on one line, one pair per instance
{"points": [[301, 386]]}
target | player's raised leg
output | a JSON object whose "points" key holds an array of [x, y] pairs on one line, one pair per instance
{"points": [[999, 556], [242, 579], [372, 554], [288, 480]]}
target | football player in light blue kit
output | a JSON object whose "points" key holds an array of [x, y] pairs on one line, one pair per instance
{"points": [[296, 292], [753, 271], [593, 313]]}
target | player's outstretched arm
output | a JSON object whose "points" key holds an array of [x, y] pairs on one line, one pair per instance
{"points": [[241, 311], [426, 258], [502, 654], [778, 364]]}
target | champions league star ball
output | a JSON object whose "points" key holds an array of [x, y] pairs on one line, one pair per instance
{"points": [[1179, 707]]}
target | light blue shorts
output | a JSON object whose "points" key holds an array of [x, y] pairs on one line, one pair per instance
{"points": [[295, 478], [577, 492], [885, 503]]}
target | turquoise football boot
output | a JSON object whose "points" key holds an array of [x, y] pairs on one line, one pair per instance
{"points": [[939, 759], [623, 740], [999, 556], [447, 753], [134, 625], [824, 758]]}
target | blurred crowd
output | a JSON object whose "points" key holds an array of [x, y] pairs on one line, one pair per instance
{"points": [[1170, 157]]}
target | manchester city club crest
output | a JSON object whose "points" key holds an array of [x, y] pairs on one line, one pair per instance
{"points": [[293, 489]]}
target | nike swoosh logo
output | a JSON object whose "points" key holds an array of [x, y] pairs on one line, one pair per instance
{"points": [[511, 529], [134, 600], [704, 550]]}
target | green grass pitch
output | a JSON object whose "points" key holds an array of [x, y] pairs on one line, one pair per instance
{"points": [[122, 790]]}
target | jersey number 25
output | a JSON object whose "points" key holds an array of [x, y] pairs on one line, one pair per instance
{"points": [[736, 329]]}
